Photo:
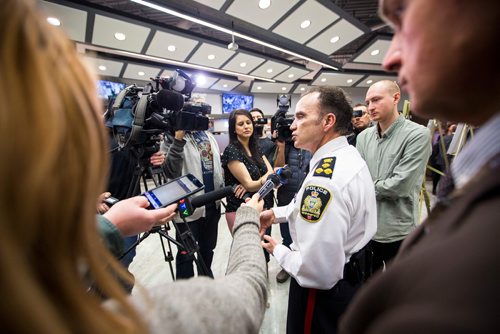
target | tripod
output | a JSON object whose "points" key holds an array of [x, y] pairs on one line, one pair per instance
{"points": [[187, 241]]}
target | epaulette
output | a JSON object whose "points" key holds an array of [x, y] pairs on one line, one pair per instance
{"points": [[325, 166]]}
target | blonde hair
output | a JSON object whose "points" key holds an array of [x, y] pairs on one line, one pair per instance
{"points": [[54, 165]]}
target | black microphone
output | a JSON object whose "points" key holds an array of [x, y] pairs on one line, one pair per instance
{"points": [[211, 197], [273, 181], [170, 100]]}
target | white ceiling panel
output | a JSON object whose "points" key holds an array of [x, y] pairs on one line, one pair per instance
{"points": [[204, 82], [201, 55], [319, 16], [370, 80], [291, 74], [134, 71], [215, 4], [250, 62], [375, 53], [301, 89], [106, 27], [250, 12], [225, 85], [113, 68], [180, 47], [335, 37], [337, 79], [269, 69], [73, 21], [270, 87]]}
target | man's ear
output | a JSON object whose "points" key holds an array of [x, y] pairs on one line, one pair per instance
{"points": [[329, 122], [397, 97]]}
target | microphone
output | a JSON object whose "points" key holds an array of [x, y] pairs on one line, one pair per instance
{"points": [[212, 196], [170, 100], [273, 181]]}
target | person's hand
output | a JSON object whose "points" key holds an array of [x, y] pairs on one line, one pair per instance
{"points": [[255, 202], [101, 206], [179, 134], [157, 159], [275, 134], [239, 191], [131, 217], [269, 244], [266, 219]]}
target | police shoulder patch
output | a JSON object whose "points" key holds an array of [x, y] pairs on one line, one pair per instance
{"points": [[324, 167], [314, 202]]}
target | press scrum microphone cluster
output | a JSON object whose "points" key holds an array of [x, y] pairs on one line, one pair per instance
{"points": [[274, 181]]}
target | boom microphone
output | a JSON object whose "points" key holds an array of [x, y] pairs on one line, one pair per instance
{"points": [[212, 196], [170, 100]]}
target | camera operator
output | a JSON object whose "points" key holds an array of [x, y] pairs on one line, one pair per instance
{"points": [[360, 121], [201, 157], [267, 146]]}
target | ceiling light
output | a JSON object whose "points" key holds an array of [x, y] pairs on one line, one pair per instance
{"points": [[375, 52], [302, 88], [269, 70], [263, 4], [224, 85], [305, 24], [54, 21], [259, 87], [349, 80], [200, 79], [102, 67], [283, 88], [120, 36], [323, 79], [243, 64], [141, 73], [211, 57], [228, 31], [334, 39], [171, 48], [291, 75], [369, 81]]}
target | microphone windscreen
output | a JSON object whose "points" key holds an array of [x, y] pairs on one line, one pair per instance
{"points": [[170, 100], [211, 197]]}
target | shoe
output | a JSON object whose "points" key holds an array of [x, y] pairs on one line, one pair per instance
{"points": [[282, 276]]}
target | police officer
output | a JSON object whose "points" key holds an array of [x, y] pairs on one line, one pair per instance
{"points": [[331, 219]]}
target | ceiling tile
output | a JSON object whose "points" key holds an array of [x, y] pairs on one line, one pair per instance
{"points": [[370, 80], [113, 68], [106, 27], [221, 54], [215, 4], [251, 62], [301, 89], [249, 11], [319, 16], [291, 74], [345, 31], [161, 42], [132, 72], [337, 79], [270, 87], [225, 85], [366, 56], [275, 67], [73, 21]]}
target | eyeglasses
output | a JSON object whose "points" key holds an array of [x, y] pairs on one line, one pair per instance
{"points": [[358, 113]]}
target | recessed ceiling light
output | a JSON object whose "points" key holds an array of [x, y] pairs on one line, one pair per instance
{"points": [[375, 52], [243, 64], [120, 36], [171, 48], [141, 73], [200, 79], [102, 67], [211, 57], [259, 87], [349, 80], [269, 70], [334, 39], [224, 85], [54, 21], [323, 79], [305, 24], [291, 75], [263, 4], [369, 81], [283, 88], [302, 88]]}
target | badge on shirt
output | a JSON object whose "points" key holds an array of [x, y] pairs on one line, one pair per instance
{"points": [[324, 168], [314, 202]]}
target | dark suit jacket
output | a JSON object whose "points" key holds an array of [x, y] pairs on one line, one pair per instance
{"points": [[446, 277]]}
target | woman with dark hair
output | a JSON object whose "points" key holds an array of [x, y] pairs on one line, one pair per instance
{"points": [[242, 160]]}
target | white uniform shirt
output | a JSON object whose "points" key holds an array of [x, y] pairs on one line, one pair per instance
{"points": [[333, 215]]}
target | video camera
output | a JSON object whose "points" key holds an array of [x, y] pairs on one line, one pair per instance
{"points": [[139, 115], [280, 122]]}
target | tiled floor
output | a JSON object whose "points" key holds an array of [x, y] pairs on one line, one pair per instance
{"points": [[149, 269]]}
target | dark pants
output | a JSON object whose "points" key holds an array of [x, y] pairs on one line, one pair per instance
{"points": [[317, 311], [205, 233], [383, 252]]}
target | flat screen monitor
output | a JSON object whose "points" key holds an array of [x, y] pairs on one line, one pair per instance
{"points": [[236, 101], [106, 88]]}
